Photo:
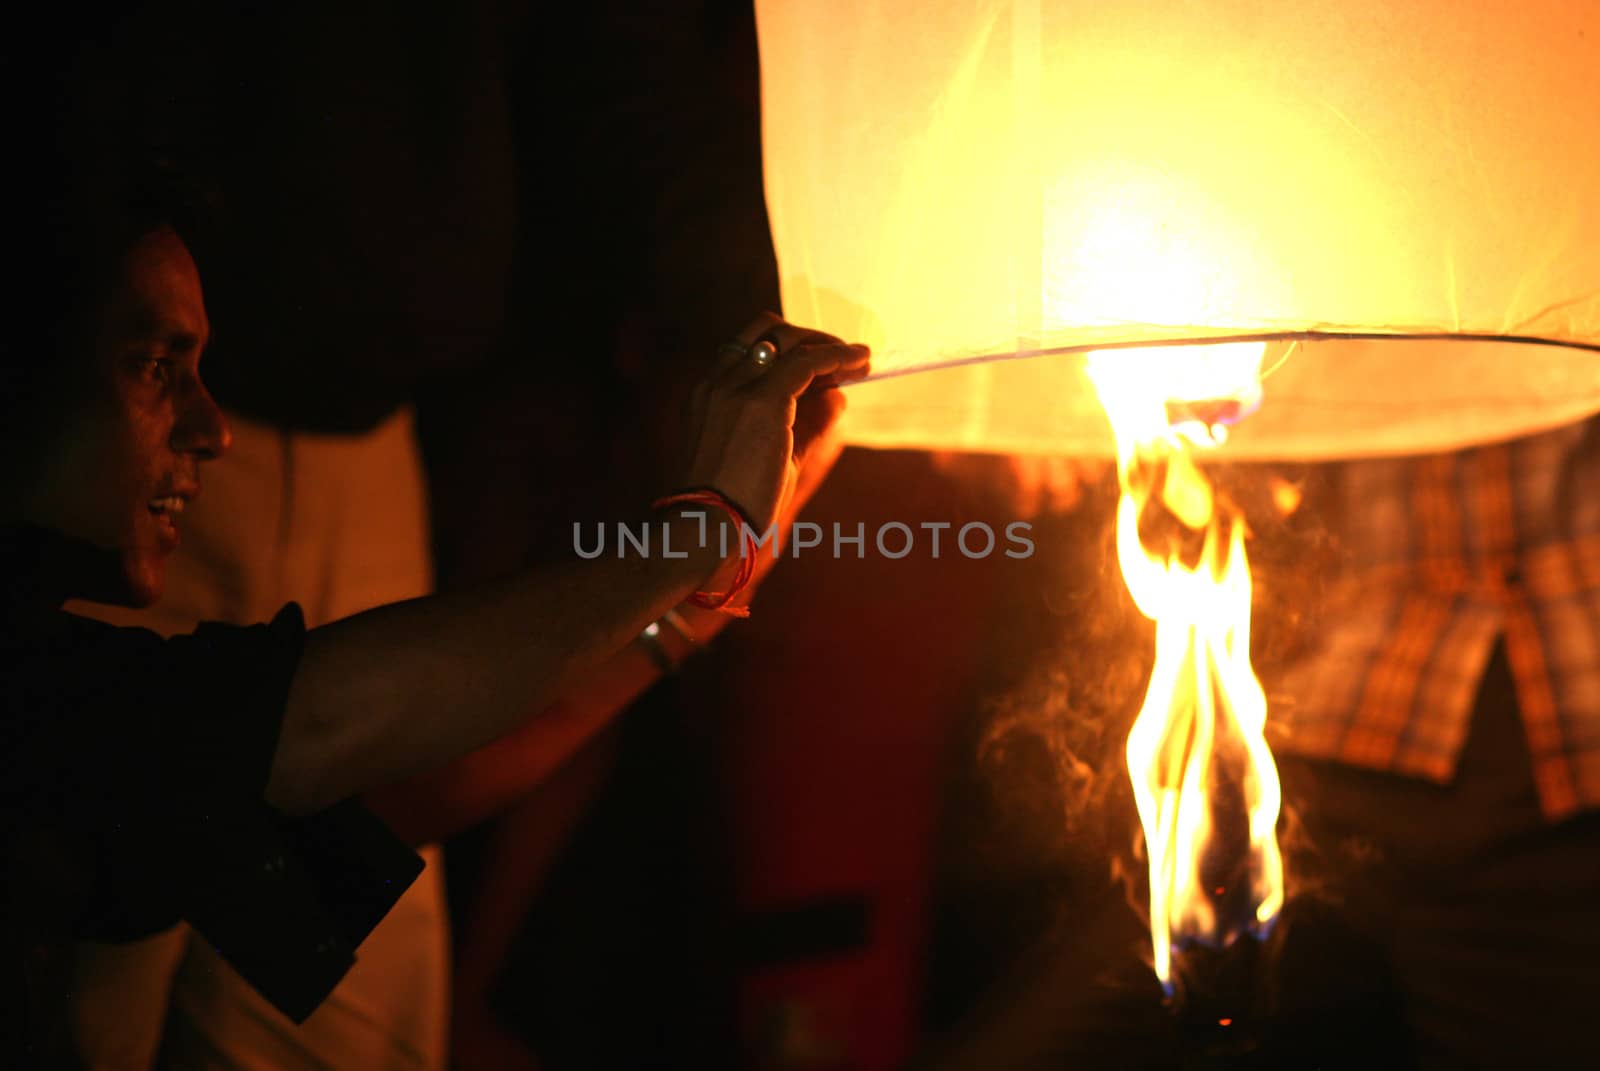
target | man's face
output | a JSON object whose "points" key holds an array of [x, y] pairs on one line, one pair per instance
{"points": [[127, 461]]}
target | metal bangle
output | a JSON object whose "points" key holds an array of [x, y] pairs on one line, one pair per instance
{"points": [[650, 638], [674, 620]]}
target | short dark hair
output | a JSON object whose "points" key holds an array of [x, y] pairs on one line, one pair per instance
{"points": [[67, 241]]}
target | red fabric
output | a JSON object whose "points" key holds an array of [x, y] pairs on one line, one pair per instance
{"points": [[843, 692]]}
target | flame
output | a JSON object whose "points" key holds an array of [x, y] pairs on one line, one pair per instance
{"points": [[1197, 746]]}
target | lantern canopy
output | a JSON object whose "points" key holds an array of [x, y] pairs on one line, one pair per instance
{"points": [[1402, 198]]}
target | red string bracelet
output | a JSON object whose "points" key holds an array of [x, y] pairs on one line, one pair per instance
{"points": [[710, 496]]}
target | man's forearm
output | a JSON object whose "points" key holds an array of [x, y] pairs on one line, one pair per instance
{"points": [[442, 801], [416, 684]]}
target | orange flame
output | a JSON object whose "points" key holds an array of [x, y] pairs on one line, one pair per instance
{"points": [[1199, 735]]}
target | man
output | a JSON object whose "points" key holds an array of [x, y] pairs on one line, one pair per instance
{"points": [[362, 245], [128, 800]]}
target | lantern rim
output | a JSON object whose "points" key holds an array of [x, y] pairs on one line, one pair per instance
{"points": [[1313, 335]]}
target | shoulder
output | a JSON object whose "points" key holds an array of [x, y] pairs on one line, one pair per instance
{"points": [[126, 747], [72, 665], [108, 708]]}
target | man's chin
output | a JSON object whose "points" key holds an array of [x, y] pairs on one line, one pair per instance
{"points": [[110, 575]]}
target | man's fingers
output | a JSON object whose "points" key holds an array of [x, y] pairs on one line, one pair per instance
{"points": [[796, 371], [765, 322], [736, 351], [787, 336], [729, 355], [788, 340], [843, 376], [815, 415]]}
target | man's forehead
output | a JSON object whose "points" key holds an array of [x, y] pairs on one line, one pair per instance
{"points": [[159, 294]]}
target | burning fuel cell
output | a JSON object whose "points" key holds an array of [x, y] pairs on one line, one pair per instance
{"points": [[1197, 749]]}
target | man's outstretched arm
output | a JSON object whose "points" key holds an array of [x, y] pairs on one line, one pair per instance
{"points": [[399, 688]]}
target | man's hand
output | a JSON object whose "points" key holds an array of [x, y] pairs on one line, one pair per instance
{"points": [[756, 426]]}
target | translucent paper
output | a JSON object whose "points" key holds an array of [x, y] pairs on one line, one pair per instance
{"points": [[955, 183]]}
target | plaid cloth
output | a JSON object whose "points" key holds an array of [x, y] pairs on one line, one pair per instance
{"points": [[1447, 553]]}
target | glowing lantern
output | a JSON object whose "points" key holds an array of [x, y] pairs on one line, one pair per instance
{"points": [[959, 182]]}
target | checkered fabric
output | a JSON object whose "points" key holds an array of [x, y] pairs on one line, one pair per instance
{"points": [[1447, 552]]}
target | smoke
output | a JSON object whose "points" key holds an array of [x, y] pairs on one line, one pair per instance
{"points": [[1073, 676]]}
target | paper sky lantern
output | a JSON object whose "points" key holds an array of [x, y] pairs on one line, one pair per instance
{"points": [[1403, 196]]}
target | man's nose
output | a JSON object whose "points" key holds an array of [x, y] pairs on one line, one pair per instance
{"points": [[201, 428]]}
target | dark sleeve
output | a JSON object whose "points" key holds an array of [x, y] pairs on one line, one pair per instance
{"points": [[165, 747]]}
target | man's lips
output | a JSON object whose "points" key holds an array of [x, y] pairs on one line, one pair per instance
{"points": [[166, 507]]}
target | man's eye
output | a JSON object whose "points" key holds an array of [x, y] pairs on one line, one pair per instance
{"points": [[157, 369]]}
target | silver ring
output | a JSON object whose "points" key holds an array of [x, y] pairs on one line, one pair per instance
{"points": [[763, 353], [733, 349]]}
